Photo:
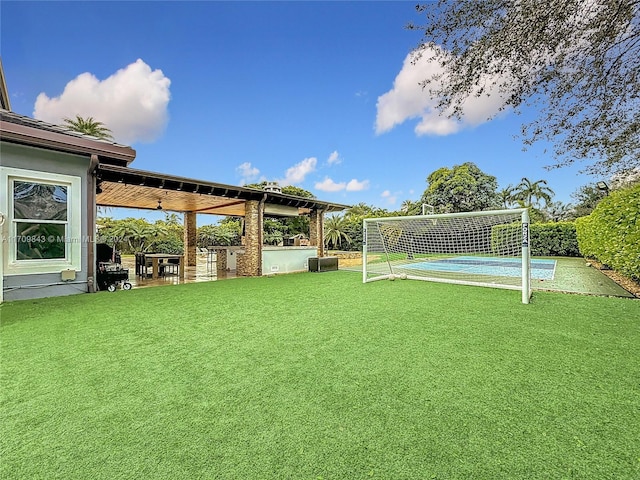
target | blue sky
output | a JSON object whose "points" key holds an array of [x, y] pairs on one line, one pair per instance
{"points": [[314, 94]]}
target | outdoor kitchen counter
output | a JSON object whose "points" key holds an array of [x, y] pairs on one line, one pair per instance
{"points": [[286, 259]]}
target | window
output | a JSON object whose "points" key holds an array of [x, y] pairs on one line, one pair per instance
{"points": [[42, 232], [40, 215]]}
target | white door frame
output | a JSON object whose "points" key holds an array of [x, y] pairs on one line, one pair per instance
{"points": [[2, 250]]}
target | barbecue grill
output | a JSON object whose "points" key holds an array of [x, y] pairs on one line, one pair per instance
{"points": [[110, 274]]}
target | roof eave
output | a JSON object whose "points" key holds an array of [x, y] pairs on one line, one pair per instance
{"points": [[4, 92], [108, 153]]}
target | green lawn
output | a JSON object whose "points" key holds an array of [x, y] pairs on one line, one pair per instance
{"points": [[317, 376]]}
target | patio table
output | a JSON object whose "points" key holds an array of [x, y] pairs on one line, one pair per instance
{"points": [[155, 262]]}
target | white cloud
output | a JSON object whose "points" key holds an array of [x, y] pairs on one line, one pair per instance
{"points": [[248, 172], [334, 158], [408, 100], [355, 185], [389, 197], [132, 102], [328, 185], [299, 171]]}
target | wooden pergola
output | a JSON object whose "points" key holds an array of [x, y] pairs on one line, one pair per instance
{"points": [[121, 186]]}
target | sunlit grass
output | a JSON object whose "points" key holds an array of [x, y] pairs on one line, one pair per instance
{"points": [[312, 376]]}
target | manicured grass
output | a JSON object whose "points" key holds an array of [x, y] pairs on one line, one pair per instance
{"points": [[316, 376]]}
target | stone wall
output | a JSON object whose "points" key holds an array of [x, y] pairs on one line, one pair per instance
{"points": [[348, 259]]}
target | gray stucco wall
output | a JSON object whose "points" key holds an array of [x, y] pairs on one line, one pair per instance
{"points": [[21, 287]]}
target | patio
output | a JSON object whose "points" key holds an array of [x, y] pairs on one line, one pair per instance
{"points": [[203, 271]]}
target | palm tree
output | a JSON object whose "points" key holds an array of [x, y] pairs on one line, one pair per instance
{"points": [[334, 231], [410, 208], [530, 193], [506, 196], [559, 211], [89, 126], [138, 233]]}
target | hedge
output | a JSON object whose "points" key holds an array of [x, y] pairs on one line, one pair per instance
{"points": [[611, 233], [556, 239]]}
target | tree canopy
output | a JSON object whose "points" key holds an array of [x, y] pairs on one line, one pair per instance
{"points": [[88, 126], [335, 231], [531, 193], [287, 190], [577, 61], [463, 188]]}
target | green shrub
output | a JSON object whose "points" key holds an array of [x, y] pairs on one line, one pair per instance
{"points": [[611, 233], [168, 245], [553, 239], [502, 239], [556, 239]]}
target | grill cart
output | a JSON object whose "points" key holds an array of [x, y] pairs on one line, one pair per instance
{"points": [[110, 273]]}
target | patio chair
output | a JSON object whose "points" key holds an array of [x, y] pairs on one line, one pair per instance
{"points": [[143, 267], [171, 267]]}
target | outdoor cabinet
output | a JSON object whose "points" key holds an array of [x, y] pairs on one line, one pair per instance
{"points": [[323, 264]]}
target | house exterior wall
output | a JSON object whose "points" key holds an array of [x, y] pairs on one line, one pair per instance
{"points": [[37, 163]]}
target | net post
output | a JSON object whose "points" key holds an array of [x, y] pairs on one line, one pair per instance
{"points": [[364, 251], [526, 274]]}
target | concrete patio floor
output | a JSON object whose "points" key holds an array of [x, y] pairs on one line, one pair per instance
{"points": [[204, 271]]}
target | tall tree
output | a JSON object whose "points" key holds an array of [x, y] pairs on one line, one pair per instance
{"points": [[559, 211], [287, 189], [362, 210], [532, 193], [335, 231], [88, 126], [577, 61], [410, 207], [463, 188], [506, 196], [587, 198]]}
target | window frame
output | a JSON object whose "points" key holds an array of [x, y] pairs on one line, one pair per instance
{"points": [[73, 248]]}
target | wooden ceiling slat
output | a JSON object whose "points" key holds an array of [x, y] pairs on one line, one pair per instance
{"points": [[146, 198], [130, 188]]}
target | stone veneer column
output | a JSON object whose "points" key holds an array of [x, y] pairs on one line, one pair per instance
{"points": [[249, 263], [316, 230], [221, 261], [190, 239]]}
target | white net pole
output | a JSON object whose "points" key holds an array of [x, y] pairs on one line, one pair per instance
{"points": [[526, 259], [364, 251]]}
